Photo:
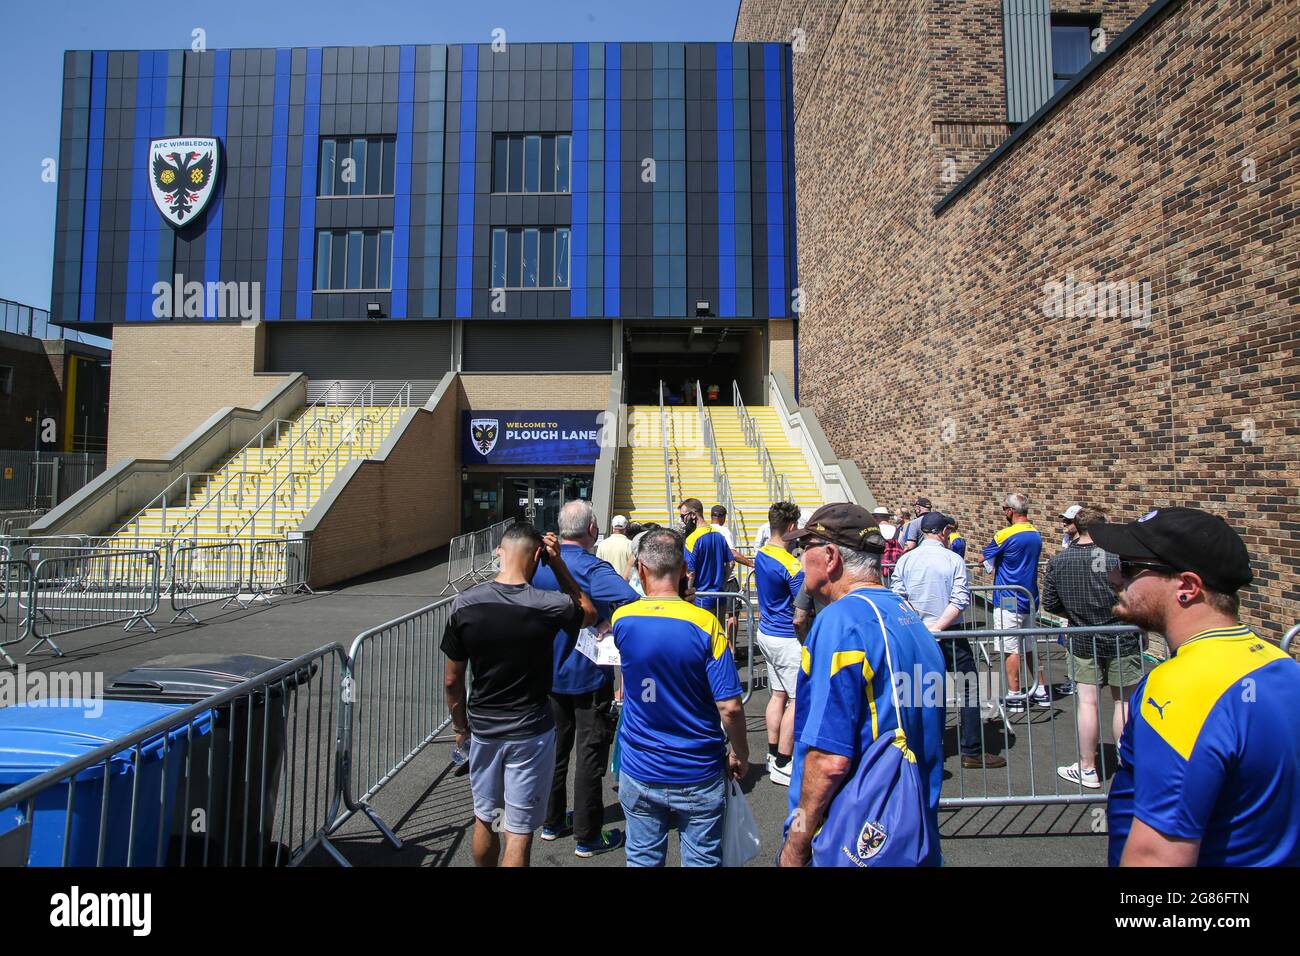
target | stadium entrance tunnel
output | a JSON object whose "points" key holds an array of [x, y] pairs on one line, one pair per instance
{"points": [[715, 355]]}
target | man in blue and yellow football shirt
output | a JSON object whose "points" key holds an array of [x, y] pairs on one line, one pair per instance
{"points": [[681, 708], [845, 702], [778, 579], [708, 555], [1210, 756], [1012, 556]]}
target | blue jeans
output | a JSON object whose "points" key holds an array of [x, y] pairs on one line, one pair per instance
{"points": [[653, 809]]}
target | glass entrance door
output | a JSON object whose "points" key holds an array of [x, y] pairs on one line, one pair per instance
{"points": [[535, 500]]}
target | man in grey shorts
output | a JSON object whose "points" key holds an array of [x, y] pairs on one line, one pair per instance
{"points": [[504, 630]]}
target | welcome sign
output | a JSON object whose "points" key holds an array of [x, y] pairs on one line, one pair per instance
{"points": [[530, 438]]}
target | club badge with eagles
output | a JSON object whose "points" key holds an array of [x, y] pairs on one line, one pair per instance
{"points": [[870, 840], [484, 432], [182, 176]]}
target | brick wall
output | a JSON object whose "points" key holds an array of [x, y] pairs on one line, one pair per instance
{"points": [[395, 508], [169, 379], [925, 349], [558, 391]]}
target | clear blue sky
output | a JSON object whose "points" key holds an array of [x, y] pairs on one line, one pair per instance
{"points": [[34, 34]]}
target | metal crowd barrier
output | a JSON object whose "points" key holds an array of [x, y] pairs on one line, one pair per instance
{"points": [[15, 622], [1289, 638], [460, 561], [80, 591], [20, 522], [248, 776], [394, 706], [203, 574], [278, 564], [1038, 740], [741, 605]]}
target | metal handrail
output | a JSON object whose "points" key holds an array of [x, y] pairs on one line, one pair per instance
{"points": [[778, 488], [719, 467], [273, 497], [663, 441]]}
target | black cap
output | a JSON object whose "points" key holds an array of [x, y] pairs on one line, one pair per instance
{"points": [[842, 523], [933, 522], [921, 502], [1185, 539]]}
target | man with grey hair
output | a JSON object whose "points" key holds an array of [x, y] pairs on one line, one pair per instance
{"points": [[871, 671], [582, 692], [1012, 556], [683, 709]]}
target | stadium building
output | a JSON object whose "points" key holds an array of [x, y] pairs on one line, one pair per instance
{"points": [[380, 296]]}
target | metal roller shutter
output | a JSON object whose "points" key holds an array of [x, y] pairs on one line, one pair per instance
{"points": [[354, 353], [536, 347]]}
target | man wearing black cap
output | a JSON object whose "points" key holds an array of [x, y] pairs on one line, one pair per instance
{"points": [[912, 532], [1210, 756], [845, 693]]}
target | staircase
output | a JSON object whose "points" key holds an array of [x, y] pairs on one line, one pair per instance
{"points": [[639, 490], [265, 489]]}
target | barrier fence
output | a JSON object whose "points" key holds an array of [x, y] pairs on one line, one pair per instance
{"points": [[395, 704], [19, 522], [471, 557], [1037, 740], [203, 574], [76, 582], [248, 776]]}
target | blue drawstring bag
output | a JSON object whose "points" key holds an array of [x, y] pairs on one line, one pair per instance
{"points": [[879, 817]]}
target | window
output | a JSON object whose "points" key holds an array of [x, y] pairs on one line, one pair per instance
{"points": [[535, 163], [348, 259], [357, 166], [530, 258], [6, 380], [1071, 48]]}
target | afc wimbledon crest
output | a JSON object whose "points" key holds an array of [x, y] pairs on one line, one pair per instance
{"points": [[182, 174], [484, 432], [870, 840]]}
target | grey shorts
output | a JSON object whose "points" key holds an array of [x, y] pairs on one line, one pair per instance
{"points": [[511, 780]]}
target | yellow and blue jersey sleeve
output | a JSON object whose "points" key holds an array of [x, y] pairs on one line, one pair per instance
{"points": [[1212, 752], [778, 579], [834, 693]]}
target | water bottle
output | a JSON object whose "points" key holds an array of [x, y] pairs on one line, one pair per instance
{"points": [[460, 756]]}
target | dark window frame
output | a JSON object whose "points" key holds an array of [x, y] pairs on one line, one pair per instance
{"points": [[381, 269], [387, 166], [515, 243], [1089, 21], [514, 147]]}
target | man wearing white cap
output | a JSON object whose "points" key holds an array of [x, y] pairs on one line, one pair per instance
{"points": [[616, 548], [1069, 531]]}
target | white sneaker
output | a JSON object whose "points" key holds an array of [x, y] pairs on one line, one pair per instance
{"points": [[1041, 697], [1085, 778], [779, 775]]}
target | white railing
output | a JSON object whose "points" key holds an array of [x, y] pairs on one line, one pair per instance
{"points": [[668, 478], [778, 488], [719, 468]]}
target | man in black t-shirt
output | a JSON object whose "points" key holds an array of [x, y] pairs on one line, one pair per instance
{"points": [[504, 629]]}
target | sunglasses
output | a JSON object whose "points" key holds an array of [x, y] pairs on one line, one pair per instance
{"points": [[1129, 570]]}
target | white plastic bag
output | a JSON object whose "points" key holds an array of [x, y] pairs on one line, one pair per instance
{"points": [[740, 839]]}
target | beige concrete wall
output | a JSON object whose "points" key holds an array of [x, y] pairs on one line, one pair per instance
{"points": [[540, 391], [780, 350], [169, 379], [397, 507]]}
